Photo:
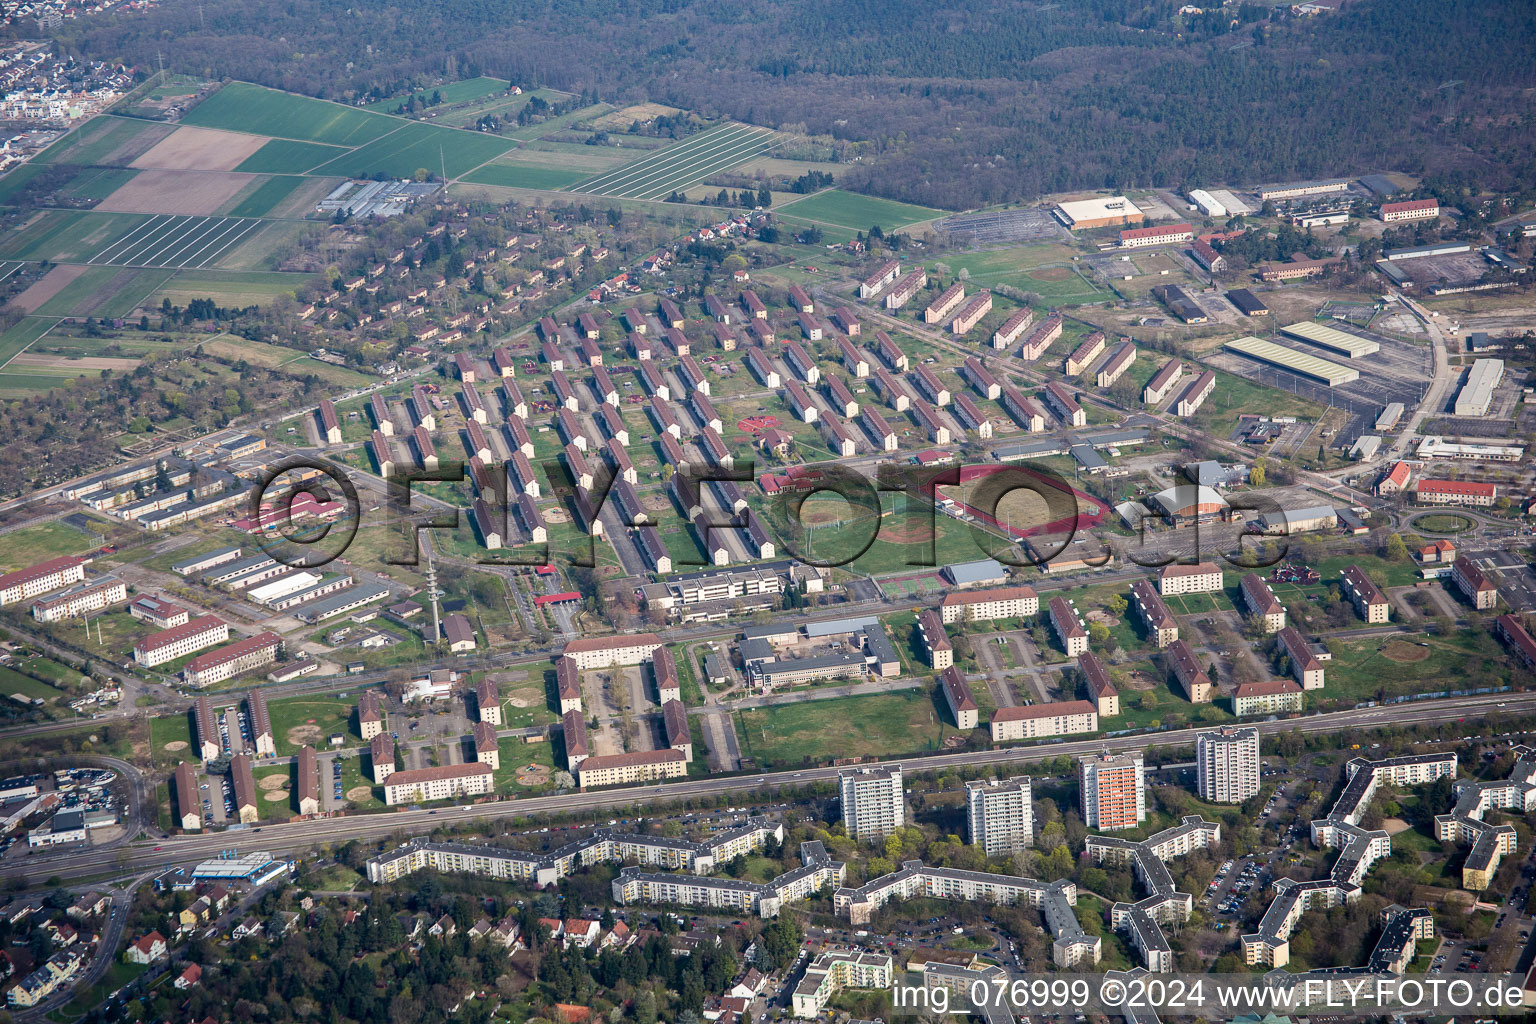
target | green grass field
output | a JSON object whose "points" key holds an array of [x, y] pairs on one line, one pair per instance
{"points": [[787, 735], [289, 156], [260, 201], [18, 338], [1046, 270], [98, 182], [95, 141], [174, 732], [67, 236], [231, 288], [512, 175], [17, 177], [413, 147], [34, 544], [450, 94], [104, 291], [12, 681], [243, 107], [850, 210], [300, 720]]}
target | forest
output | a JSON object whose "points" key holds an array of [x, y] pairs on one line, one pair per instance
{"points": [[975, 102]]}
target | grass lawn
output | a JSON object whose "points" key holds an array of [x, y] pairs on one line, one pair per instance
{"points": [[255, 110], [1236, 394], [276, 810], [33, 544], [352, 780], [851, 210], [12, 681], [515, 753], [1368, 668], [1046, 270], [297, 721], [787, 735], [171, 730]]}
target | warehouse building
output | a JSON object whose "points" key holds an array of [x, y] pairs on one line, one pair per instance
{"points": [[1104, 212], [1477, 393], [1300, 363]]}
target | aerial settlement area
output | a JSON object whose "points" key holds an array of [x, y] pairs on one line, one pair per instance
{"points": [[481, 552]]}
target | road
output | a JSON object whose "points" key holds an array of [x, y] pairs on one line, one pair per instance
{"points": [[298, 837]]}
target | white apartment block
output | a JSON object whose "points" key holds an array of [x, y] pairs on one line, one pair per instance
{"points": [[1000, 814], [605, 653], [835, 970], [988, 605], [81, 599], [1227, 765], [180, 641], [1203, 578], [444, 782], [1039, 721], [873, 802]]}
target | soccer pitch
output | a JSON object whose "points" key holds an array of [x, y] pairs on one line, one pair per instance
{"points": [[682, 166], [174, 241]]}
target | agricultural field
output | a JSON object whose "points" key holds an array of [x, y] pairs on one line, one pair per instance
{"points": [[850, 210], [176, 241], [451, 94], [17, 178], [254, 110], [520, 175], [189, 193], [228, 288], [97, 182], [19, 338], [288, 156], [96, 291], [681, 166], [413, 147], [106, 141], [266, 196], [66, 236]]}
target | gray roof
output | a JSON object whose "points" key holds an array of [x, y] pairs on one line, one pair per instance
{"points": [[978, 571]]}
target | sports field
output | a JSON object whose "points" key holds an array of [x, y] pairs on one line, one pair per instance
{"points": [[657, 175], [450, 94], [288, 156], [510, 175], [171, 241], [850, 210], [413, 146], [242, 107], [1046, 270]]}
